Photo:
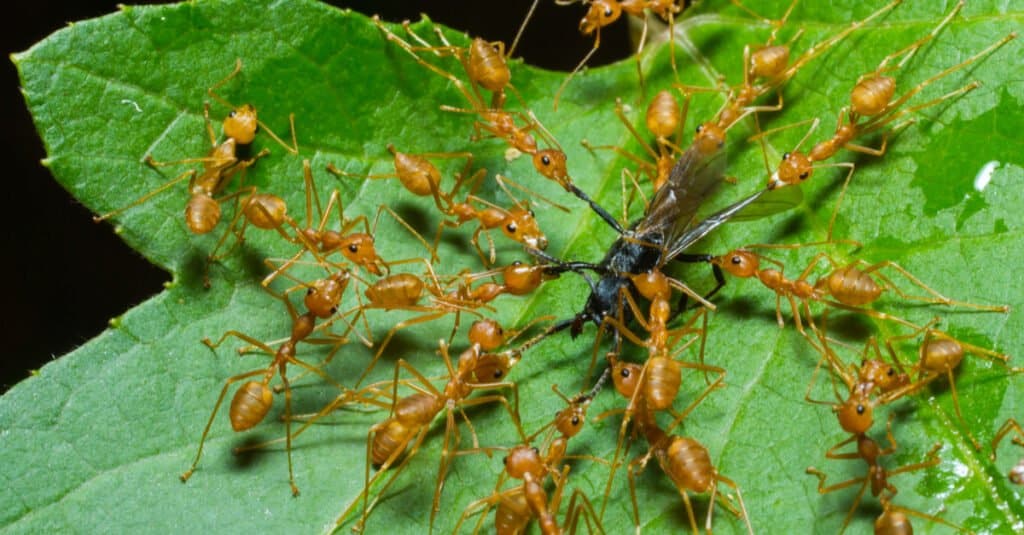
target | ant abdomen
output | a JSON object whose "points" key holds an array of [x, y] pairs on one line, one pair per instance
{"points": [[250, 405]]}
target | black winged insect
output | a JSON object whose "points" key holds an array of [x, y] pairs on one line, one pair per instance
{"points": [[668, 227]]}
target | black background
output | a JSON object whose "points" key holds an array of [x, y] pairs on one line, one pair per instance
{"points": [[65, 276]]}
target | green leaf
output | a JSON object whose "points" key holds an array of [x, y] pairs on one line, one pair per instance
{"points": [[95, 442]]}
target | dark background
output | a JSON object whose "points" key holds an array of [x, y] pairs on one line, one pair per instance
{"points": [[65, 276]]}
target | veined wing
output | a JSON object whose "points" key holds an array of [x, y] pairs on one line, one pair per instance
{"points": [[674, 207], [693, 234]]}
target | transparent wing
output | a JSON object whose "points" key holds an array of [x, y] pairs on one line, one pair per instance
{"points": [[674, 207]]}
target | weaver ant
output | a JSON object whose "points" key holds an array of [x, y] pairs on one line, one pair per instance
{"points": [[203, 210], [877, 479], [412, 415]]}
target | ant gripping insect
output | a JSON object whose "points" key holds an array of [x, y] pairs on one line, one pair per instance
{"points": [[664, 118], [666, 230], [852, 285]]}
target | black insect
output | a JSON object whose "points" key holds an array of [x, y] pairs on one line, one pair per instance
{"points": [[668, 227]]}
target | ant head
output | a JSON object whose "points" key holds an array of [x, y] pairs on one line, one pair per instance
{"points": [[794, 169], [625, 376], [652, 285], [738, 263], [323, 296], [882, 374], [491, 367], [710, 138], [569, 421], [522, 227], [601, 14], [551, 164], [521, 279], [241, 124], [855, 415], [487, 333], [522, 460], [359, 249]]}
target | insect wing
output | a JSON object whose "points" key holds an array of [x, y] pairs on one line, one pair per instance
{"points": [[710, 223], [675, 204]]}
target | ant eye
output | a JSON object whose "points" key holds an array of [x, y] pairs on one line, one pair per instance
{"points": [[804, 175], [891, 372], [575, 420], [535, 450], [511, 227], [608, 12], [785, 156], [517, 263], [309, 291], [233, 114], [737, 260], [860, 409], [624, 372], [700, 128], [504, 460], [498, 374], [531, 213], [334, 310], [354, 248], [545, 160]]}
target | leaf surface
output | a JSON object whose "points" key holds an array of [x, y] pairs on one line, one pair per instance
{"points": [[96, 441]]}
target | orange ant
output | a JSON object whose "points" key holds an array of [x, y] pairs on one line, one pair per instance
{"points": [[603, 13], [518, 278], [252, 402], [357, 247], [404, 291], [1017, 472], [770, 64], [516, 505], [420, 177], [203, 210], [688, 464], [872, 100], [852, 286], [878, 477], [856, 413], [417, 174], [939, 354], [518, 223], [484, 62], [664, 119], [412, 415]]}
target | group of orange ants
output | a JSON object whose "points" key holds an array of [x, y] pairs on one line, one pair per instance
{"points": [[633, 275]]}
